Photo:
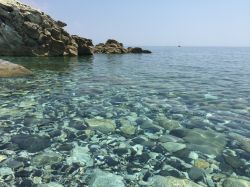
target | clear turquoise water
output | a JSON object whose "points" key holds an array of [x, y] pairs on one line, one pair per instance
{"points": [[206, 90]]}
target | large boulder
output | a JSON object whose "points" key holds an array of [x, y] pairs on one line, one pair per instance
{"points": [[110, 47], [137, 50], [85, 46], [114, 47], [25, 31], [8, 69]]}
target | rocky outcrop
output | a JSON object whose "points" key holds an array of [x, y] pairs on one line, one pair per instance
{"points": [[25, 31], [110, 47], [8, 69], [85, 46], [137, 50], [114, 47]]}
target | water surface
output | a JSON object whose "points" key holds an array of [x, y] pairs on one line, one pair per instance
{"points": [[135, 116]]}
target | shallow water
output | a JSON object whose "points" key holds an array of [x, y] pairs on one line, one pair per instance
{"points": [[136, 116]]}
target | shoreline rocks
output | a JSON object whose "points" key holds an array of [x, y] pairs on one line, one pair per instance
{"points": [[25, 31], [8, 70], [114, 47]]}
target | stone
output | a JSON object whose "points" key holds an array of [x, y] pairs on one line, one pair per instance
{"points": [[103, 179], [173, 146], [84, 45], [46, 158], [205, 141], [202, 164], [196, 174], [31, 143], [127, 127], [167, 123], [234, 161], [8, 69], [80, 155], [4, 171], [14, 164], [103, 125], [159, 181], [51, 184], [2, 158], [110, 47], [114, 47], [193, 155], [244, 142], [138, 50], [236, 182]]}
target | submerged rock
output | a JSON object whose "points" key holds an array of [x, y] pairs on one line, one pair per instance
{"points": [[4, 171], [167, 123], [51, 184], [104, 179], [159, 181], [173, 146], [46, 158], [235, 182], [8, 69], [205, 141], [202, 164], [31, 143], [103, 125], [80, 155], [2, 158], [127, 127]]}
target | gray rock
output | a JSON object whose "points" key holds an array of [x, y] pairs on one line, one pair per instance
{"points": [[103, 125], [31, 143], [234, 161], [236, 182], [46, 158], [168, 123], [80, 155], [51, 184], [173, 146], [159, 181], [14, 164], [196, 174], [106, 179], [127, 127], [205, 141], [4, 171]]}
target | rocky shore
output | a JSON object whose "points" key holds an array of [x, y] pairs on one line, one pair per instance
{"points": [[25, 31]]}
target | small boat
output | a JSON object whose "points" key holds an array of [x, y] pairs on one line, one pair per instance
{"points": [[179, 46]]}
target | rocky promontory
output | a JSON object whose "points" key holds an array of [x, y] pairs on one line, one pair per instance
{"points": [[25, 31]]}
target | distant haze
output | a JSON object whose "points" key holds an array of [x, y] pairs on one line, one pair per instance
{"points": [[155, 22]]}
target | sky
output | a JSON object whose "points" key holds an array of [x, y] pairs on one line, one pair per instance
{"points": [[154, 22]]}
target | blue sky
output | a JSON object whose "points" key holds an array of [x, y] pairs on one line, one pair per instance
{"points": [[155, 22]]}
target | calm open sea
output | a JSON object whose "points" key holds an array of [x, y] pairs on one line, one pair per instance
{"points": [[128, 120]]}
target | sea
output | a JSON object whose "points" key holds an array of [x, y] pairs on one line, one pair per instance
{"points": [[178, 116]]}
